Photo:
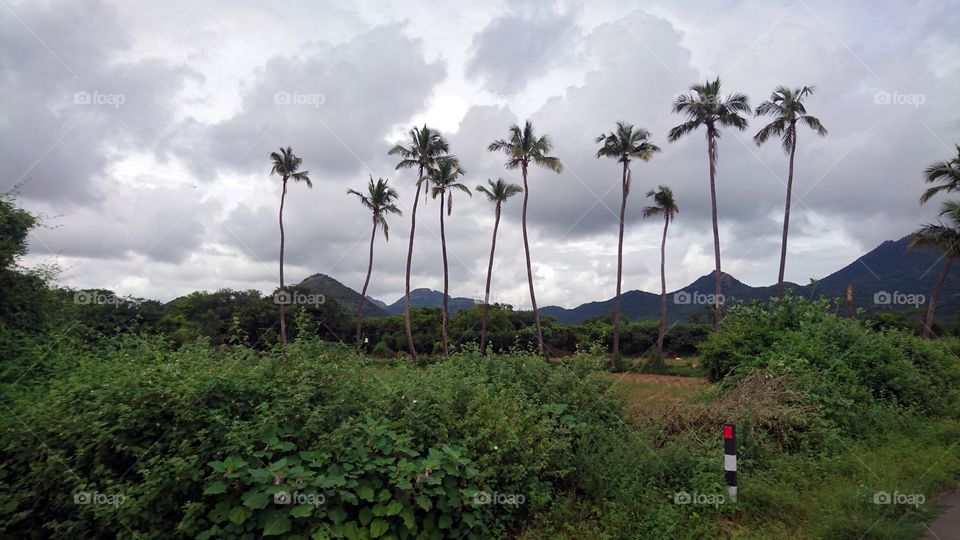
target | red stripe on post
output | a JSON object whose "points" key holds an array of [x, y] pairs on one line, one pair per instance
{"points": [[728, 431]]}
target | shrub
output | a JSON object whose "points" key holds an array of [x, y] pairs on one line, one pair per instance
{"points": [[198, 441], [856, 375], [382, 350]]}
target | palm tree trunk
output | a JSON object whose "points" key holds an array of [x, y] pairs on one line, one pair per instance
{"points": [[406, 295], [283, 314], [712, 151], [486, 296], [616, 301], [786, 217], [658, 360], [526, 250], [366, 282], [446, 280], [928, 320]]}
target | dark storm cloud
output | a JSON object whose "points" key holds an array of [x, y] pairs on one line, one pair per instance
{"points": [[121, 174], [335, 104], [517, 47], [70, 108], [644, 67], [151, 223]]}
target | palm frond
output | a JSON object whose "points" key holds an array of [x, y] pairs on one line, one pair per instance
{"points": [[683, 129]]}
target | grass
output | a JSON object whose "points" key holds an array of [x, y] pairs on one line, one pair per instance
{"points": [[647, 393], [836, 499]]}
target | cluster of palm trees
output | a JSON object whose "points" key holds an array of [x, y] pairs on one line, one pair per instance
{"points": [[944, 235], [439, 172]]}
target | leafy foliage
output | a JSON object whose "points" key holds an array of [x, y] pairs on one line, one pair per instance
{"points": [[198, 441], [854, 372]]}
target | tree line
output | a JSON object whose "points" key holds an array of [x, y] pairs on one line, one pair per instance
{"points": [[439, 172]]}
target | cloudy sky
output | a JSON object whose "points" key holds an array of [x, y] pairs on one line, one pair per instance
{"points": [[142, 131]]}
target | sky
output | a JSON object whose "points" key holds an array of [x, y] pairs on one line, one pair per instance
{"points": [[141, 131]]}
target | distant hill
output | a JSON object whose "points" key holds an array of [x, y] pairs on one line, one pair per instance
{"points": [[379, 303], [894, 273], [890, 272], [682, 303], [430, 298], [348, 298], [345, 297]]}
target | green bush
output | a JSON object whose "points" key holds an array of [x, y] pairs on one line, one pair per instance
{"points": [[382, 350], [856, 374], [197, 441]]}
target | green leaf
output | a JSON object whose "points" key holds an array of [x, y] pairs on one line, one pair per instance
{"points": [[445, 522], [216, 488], [394, 508], [378, 527], [234, 462], [255, 499], [366, 515], [424, 502], [239, 514], [301, 510], [366, 493], [338, 515], [408, 519], [277, 523]]}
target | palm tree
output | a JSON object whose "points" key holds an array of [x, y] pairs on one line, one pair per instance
{"points": [[947, 172], [444, 179], [497, 193], [786, 107], [623, 144], [425, 147], [943, 237], [380, 201], [523, 148], [286, 164], [663, 205], [705, 106]]}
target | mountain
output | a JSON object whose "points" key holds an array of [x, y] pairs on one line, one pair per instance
{"points": [[891, 277], [682, 304], [346, 298], [379, 303], [430, 298], [888, 278]]}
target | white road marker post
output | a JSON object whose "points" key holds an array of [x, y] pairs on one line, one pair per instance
{"points": [[730, 459]]}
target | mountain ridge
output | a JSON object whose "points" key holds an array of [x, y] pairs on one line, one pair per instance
{"points": [[887, 278]]}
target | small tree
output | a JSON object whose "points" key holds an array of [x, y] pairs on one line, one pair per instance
{"points": [[623, 144], [380, 201], [444, 178], [663, 205], [522, 148], [287, 165], [497, 193]]}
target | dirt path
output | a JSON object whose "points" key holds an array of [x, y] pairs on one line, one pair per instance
{"points": [[948, 524]]}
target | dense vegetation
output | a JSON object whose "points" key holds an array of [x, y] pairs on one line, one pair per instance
{"points": [[137, 420], [200, 440]]}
